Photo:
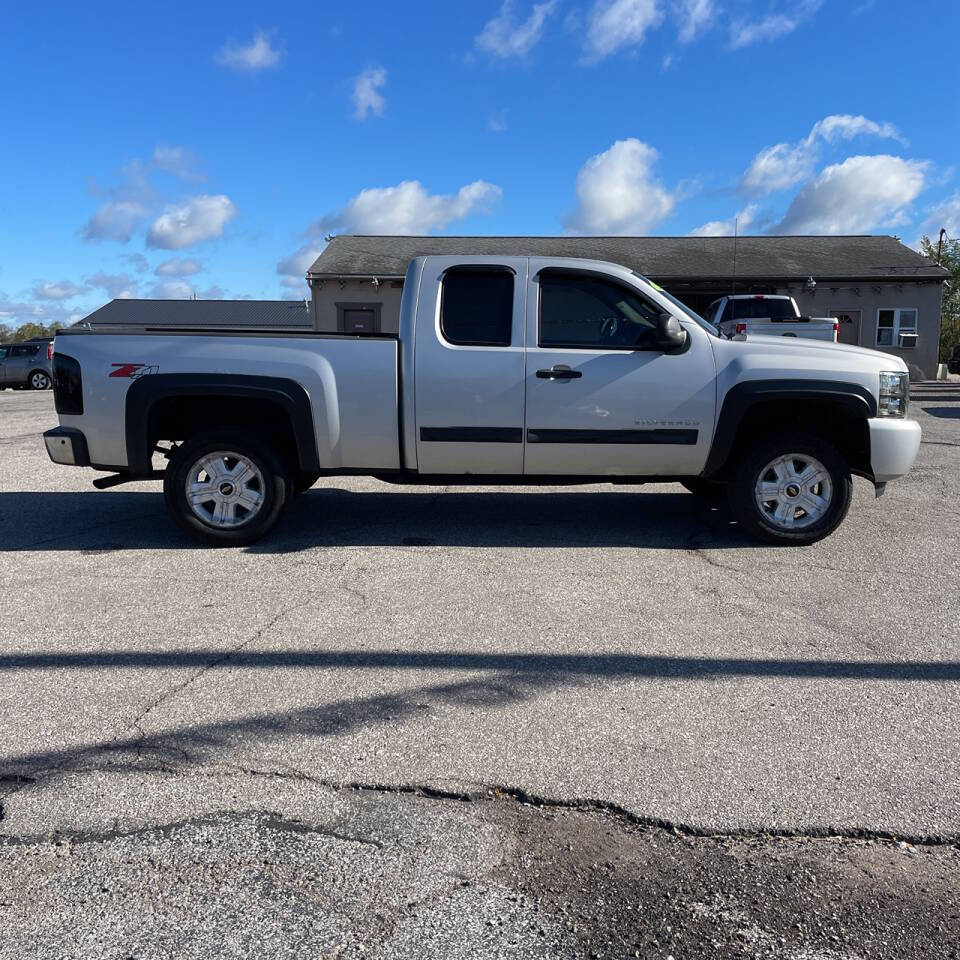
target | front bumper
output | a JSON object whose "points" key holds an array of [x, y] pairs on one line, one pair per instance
{"points": [[894, 445], [67, 445]]}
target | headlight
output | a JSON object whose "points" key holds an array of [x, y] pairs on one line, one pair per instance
{"points": [[894, 389]]}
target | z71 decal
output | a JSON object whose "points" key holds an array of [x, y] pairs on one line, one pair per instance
{"points": [[132, 371]]}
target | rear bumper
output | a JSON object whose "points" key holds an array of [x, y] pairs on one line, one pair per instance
{"points": [[894, 445], [67, 445]]}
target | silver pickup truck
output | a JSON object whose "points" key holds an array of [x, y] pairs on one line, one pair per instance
{"points": [[505, 370]]}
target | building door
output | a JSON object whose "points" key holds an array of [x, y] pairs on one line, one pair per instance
{"points": [[849, 329]]}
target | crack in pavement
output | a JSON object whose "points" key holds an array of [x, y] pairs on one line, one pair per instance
{"points": [[481, 793], [136, 723]]}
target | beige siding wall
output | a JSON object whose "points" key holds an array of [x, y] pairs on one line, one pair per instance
{"points": [[925, 298], [326, 298]]}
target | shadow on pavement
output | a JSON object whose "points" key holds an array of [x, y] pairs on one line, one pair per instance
{"points": [[512, 678], [98, 522], [949, 413]]}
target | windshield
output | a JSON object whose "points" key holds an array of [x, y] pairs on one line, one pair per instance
{"points": [[692, 314]]}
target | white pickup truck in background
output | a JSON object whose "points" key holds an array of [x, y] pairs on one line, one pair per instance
{"points": [[505, 370], [771, 314]]}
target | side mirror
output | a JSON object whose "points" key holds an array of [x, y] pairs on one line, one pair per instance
{"points": [[670, 335]]}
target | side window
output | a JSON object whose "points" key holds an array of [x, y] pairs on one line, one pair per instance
{"points": [[3, 352], [476, 306], [579, 310], [24, 351]]}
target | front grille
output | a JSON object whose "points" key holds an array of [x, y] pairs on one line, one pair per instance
{"points": [[67, 385]]}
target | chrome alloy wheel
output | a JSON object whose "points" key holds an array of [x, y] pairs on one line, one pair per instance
{"points": [[794, 491], [39, 381], [225, 489]]}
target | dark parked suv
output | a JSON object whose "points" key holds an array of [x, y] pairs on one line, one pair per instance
{"points": [[27, 365], [953, 364]]}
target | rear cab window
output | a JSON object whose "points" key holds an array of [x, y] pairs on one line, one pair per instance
{"points": [[759, 309], [476, 306]]}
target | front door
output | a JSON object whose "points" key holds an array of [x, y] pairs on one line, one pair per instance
{"points": [[848, 329], [470, 366], [600, 401]]}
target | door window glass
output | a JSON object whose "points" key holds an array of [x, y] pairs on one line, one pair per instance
{"points": [[476, 307], [578, 310]]}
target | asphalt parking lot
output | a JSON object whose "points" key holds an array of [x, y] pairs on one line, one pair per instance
{"points": [[277, 743]]}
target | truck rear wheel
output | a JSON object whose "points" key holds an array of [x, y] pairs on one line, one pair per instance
{"points": [[794, 489], [226, 488]]}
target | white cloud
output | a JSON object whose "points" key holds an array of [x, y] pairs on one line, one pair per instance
{"points": [[138, 261], [115, 220], [409, 209], [295, 267], [620, 23], [64, 290], [739, 223], [193, 221], [743, 33], [694, 16], [126, 207], [786, 164], [178, 267], [945, 216], [118, 286], [259, 54], [367, 97], [617, 192], [855, 196], [506, 36], [497, 122], [176, 160], [171, 290]]}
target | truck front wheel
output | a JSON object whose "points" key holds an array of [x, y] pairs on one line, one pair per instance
{"points": [[226, 488], [794, 489]]}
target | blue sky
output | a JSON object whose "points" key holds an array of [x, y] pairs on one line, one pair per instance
{"points": [[162, 150]]}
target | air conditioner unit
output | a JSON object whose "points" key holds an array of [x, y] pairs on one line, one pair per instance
{"points": [[908, 341]]}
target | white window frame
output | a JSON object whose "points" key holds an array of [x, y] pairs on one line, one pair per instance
{"points": [[897, 311]]}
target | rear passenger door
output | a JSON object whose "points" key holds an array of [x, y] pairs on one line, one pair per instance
{"points": [[469, 363]]}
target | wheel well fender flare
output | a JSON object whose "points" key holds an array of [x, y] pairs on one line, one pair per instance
{"points": [[747, 396], [145, 392]]}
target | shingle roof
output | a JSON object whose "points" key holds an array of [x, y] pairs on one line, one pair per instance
{"points": [[205, 313], [660, 257]]}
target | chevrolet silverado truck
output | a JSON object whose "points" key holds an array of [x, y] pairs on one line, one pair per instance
{"points": [[765, 313], [505, 370]]}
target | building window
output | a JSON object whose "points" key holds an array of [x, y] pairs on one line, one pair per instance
{"points": [[476, 306], [358, 318], [891, 323]]}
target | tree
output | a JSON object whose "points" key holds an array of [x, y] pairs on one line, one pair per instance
{"points": [[29, 330], [950, 313]]}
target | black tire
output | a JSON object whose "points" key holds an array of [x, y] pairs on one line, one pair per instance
{"points": [[273, 486], [302, 482], [709, 490], [39, 380], [759, 521]]}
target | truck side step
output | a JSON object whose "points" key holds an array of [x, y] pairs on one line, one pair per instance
{"points": [[104, 483]]}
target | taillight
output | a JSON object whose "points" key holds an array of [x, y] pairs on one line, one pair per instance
{"points": [[740, 328], [50, 350], [67, 385], [836, 330]]}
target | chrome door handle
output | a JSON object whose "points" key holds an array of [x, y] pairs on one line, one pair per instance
{"points": [[559, 372]]}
